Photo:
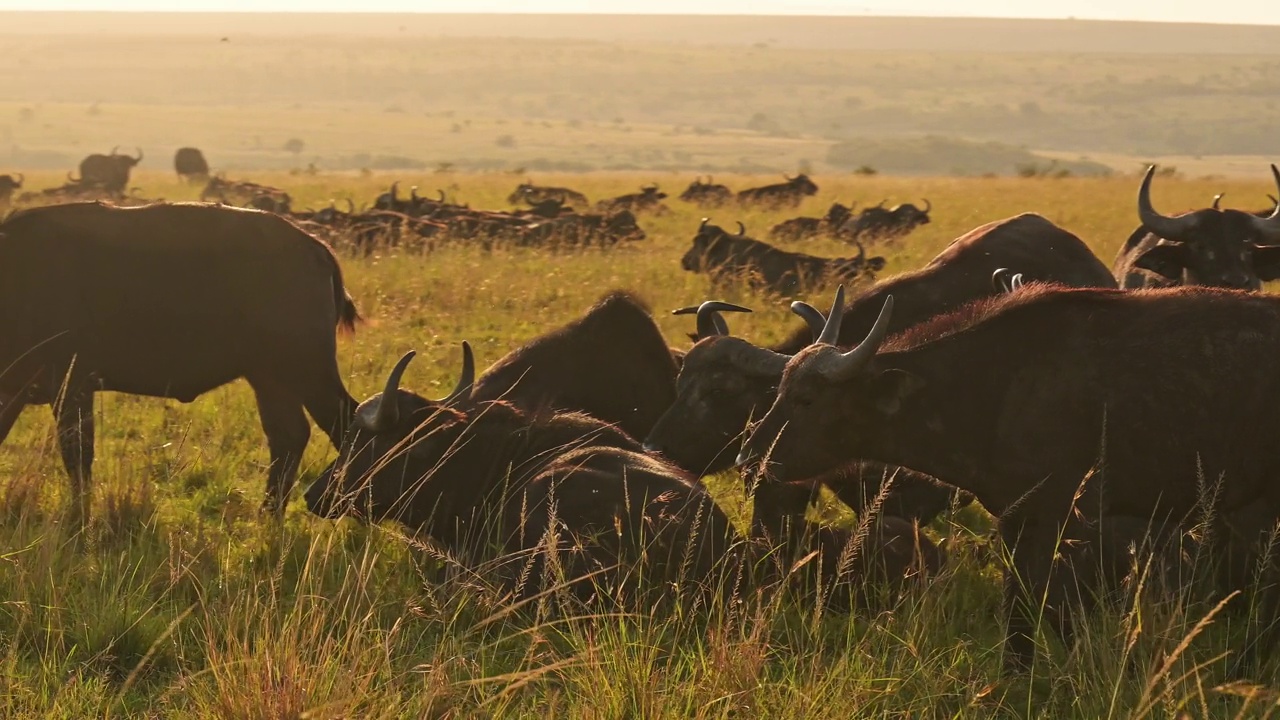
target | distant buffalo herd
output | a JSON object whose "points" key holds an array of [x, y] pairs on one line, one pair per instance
{"points": [[1103, 416]]}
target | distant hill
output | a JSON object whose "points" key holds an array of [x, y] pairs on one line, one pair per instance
{"points": [[829, 33]]}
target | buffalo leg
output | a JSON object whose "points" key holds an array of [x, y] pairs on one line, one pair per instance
{"points": [[74, 416], [332, 409], [1030, 583], [287, 433]]}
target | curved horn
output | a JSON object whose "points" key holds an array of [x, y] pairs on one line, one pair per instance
{"points": [[440, 192], [710, 323], [382, 412], [463, 390], [139, 158], [413, 193], [927, 206], [351, 207], [1217, 199], [114, 149], [1002, 280], [1016, 282], [1166, 227], [1269, 226], [788, 177], [844, 365], [702, 225], [71, 179], [812, 317], [742, 229], [831, 328]]}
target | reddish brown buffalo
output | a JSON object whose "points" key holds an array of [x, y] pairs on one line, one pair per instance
{"points": [[1057, 406], [170, 301]]}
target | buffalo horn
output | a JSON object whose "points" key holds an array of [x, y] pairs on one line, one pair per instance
{"points": [[413, 193], [1166, 227], [381, 413], [1217, 199], [831, 329], [742, 229], [395, 190], [441, 193], [702, 225], [139, 155], [1002, 280], [468, 379], [1270, 226], [843, 365], [710, 322], [812, 317], [114, 149], [927, 206], [351, 207]]}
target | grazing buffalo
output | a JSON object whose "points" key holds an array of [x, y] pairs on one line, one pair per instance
{"points": [[1053, 406], [9, 183], [107, 172], [573, 230], [530, 194], [171, 301], [738, 257], [787, 194], [190, 165], [808, 228], [707, 194], [612, 363], [547, 490], [1221, 248], [649, 199], [879, 223]]}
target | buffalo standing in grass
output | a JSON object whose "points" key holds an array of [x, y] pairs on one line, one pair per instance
{"points": [[707, 194], [879, 223], [738, 257], [1221, 248], [190, 165], [171, 301], [9, 183], [107, 172], [649, 199], [787, 194], [1058, 409]]}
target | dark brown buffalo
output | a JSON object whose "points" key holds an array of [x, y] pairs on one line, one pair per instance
{"points": [[728, 257], [612, 363], [574, 230], [879, 223], [190, 164], [808, 228], [1058, 408], [1221, 248], [475, 474], [707, 194], [649, 199], [108, 172], [530, 194], [9, 183], [170, 301], [787, 194], [248, 194]]}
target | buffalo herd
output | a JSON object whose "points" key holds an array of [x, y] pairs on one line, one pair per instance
{"points": [[1082, 406]]}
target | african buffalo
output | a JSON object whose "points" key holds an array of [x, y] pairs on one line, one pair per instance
{"points": [[476, 473], [1221, 248], [9, 183], [787, 194], [531, 194], [190, 165], [612, 363], [248, 194], [108, 172], [707, 194], [649, 199], [879, 223], [170, 301], [574, 230], [807, 228], [1053, 406], [738, 257]]}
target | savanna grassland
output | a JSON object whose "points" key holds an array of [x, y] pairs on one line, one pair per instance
{"points": [[179, 600]]}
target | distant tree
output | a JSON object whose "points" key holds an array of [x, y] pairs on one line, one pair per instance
{"points": [[295, 146]]}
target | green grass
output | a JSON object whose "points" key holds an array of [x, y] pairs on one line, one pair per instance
{"points": [[180, 601]]}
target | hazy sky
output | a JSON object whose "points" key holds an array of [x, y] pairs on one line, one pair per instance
{"points": [[1229, 11]]}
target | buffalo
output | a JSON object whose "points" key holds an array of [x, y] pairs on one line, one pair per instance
{"points": [[611, 363], [171, 301], [530, 194], [880, 223], [110, 173], [808, 228], [707, 194], [649, 199], [248, 194], [550, 490], [9, 183], [190, 165], [574, 230], [787, 194], [1219, 248], [1058, 408], [723, 256]]}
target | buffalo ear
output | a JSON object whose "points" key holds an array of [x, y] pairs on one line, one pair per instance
{"points": [[1167, 260], [1266, 262], [891, 387]]}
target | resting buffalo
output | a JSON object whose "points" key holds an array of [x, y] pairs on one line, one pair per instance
{"points": [[475, 474], [612, 363], [879, 223], [170, 301], [573, 230], [738, 257], [190, 164], [707, 194], [808, 228], [108, 172], [530, 194], [9, 183], [1222, 248], [1053, 406], [649, 199], [248, 194], [787, 194]]}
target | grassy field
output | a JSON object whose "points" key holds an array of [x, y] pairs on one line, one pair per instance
{"points": [[180, 601]]}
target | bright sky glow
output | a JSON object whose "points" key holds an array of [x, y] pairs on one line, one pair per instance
{"points": [[1227, 11]]}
